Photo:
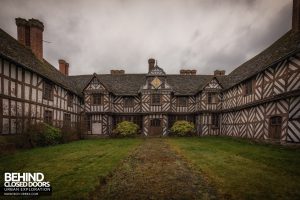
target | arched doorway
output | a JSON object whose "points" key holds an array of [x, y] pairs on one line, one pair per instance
{"points": [[275, 127]]}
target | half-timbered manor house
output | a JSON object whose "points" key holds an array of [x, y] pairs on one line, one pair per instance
{"points": [[259, 99]]}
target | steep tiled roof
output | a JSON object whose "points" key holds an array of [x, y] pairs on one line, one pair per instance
{"points": [[123, 84], [13, 50], [130, 84], [188, 84], [283, 47]]}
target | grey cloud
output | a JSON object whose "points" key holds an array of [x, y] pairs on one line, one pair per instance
{"points": [[96, 36]]}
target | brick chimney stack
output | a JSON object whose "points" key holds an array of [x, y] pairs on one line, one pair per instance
{"points": [[63, 67], [36, 37], [23, 30], [219, 72], [151, 62], [117, 72], [188, 72], [296, 15], [30, 33]]}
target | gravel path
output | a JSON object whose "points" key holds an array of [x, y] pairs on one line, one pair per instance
{"points": [[154, 171]]}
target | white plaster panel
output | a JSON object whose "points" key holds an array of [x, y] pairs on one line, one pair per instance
{"points": [[19, 95], [5, 106], [13, 89], [13, 71], [38, 111], [6, 68], [40, 81], [13, 108], [19, 73], [34, 79], [19, 108], [33, 111], [5, 126], [40, 96], [33, 96], [13, 126], [27, 89], [5, 85], [26, 110], [27, 77]]}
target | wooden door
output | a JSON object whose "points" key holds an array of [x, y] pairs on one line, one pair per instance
{"points": [[275, 127], [155, 127], [97, 128]]}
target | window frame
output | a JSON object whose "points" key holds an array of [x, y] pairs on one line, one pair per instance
{"points": [[48, 88], [99, 96], [70, 98], [155, 97], [128, 102], [212, 98], [48, 117], [215, 121], [181, 103], [65, 122]]}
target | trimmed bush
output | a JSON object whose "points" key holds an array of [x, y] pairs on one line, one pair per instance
{"points": [[126, 128], [183, 128]]}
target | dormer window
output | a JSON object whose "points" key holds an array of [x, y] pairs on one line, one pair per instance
{"points": [[48, 91]]}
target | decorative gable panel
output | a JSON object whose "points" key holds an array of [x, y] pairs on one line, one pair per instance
{"points": [[213, 84]]}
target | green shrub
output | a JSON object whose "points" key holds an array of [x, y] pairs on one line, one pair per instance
{"points": [[126, 128], [51, 136], [39, 134], [183, 128]]}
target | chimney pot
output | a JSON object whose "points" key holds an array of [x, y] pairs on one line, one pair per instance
{"points": [[151, 62], [23, 31], [63, 67]]}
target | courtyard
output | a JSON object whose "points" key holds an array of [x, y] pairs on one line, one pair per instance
{"points": [[163, 168]]}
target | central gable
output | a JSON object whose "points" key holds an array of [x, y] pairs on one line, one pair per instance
{"points": [[95, 85], [156, 79], [213, 84]]}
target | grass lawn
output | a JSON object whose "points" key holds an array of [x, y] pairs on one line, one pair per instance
{"points": [[243, 170], [73, 169]]}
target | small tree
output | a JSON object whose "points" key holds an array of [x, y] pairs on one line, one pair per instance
{"points": [[126, 128], [183, 128]]}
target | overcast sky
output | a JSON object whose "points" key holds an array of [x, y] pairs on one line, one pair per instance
{"points": [[96, 36]]}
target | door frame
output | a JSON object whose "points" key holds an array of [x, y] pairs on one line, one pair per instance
{"points": [[100, 125], [271, 131], [154, 129]]}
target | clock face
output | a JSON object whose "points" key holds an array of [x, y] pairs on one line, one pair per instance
{"points": [[156, 82]]}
